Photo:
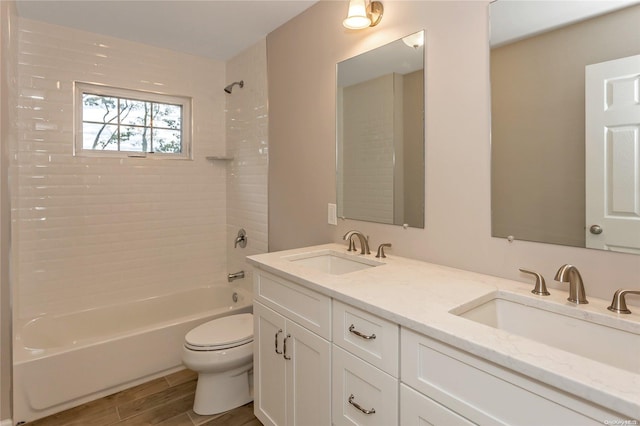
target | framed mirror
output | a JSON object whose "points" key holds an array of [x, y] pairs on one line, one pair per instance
{"points": [[380, 134], [564, 169]]}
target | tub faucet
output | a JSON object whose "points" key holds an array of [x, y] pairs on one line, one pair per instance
{"points": [[235, 276], [569, 274], [364, 244]]}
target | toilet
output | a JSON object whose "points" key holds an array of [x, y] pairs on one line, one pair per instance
{"points": [[221, 352]]}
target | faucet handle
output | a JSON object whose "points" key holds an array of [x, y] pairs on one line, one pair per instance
{"points": [[618, 304], [241, 239], [540, 287], [381, 250], [352, 245]]}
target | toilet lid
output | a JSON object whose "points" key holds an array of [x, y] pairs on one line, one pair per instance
{"points": [[221, 333]]}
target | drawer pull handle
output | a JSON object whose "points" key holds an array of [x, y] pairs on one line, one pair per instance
{"points": [[285, 347], [352, 329], [277, 334], [355, 404]]}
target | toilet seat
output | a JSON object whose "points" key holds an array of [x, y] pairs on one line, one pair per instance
{"points": [[221, 333]]}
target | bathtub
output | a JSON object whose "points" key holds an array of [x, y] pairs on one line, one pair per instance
{"points": [[61, 361]]}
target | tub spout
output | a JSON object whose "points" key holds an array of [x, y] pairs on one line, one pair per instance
{"points": [[235, 276]]}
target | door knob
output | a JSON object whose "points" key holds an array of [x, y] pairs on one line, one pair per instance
{"points": [[595, 229]]}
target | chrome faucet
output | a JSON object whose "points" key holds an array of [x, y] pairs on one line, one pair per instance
{"points": [[618, 304], [364, 244], [569, 274]]}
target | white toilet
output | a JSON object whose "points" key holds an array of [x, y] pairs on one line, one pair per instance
{"points": [[221, 352]]}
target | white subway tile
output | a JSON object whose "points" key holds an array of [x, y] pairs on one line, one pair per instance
{"points": [[93, 230]]}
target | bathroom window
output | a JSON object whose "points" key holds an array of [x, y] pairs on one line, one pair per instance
{"points": [[121, 122]]}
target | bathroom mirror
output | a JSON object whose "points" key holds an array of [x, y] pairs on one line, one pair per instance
{"points": [[552, 173], [380, 134]]}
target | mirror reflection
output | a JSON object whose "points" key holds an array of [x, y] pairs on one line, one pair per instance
{"points": [[565, 122], [380, 134]]}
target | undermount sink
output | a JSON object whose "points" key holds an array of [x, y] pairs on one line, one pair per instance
{"points": [[333, 262], [599, 337]]}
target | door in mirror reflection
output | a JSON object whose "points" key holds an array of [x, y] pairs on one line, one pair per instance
{"points": [[380, 134], [612, 150]]}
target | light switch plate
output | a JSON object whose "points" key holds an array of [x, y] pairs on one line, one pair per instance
{"points": [[332, 218]]}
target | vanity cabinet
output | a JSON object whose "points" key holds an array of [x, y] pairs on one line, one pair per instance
{"points": [[319, 361], [460, 386], [365, 368], [292, 353]]}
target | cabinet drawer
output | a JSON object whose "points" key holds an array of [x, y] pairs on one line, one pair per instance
{"points": [[488, 394], [416, 410], [371, 338], [306, 307], [358, 383]]}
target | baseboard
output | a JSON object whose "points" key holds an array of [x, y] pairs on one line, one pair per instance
{"points": [[6, 422]]}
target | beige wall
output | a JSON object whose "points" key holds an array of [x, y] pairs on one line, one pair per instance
{"points": [[8, 62], [301, 69], [538, 176]]}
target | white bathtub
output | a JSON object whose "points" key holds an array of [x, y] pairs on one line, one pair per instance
{"points": [[61, 361]]}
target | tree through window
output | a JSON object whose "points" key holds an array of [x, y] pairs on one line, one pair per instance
{"points": [[119, 120]]}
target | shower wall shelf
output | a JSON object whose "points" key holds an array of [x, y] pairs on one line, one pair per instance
{"points": [[218, 158]]}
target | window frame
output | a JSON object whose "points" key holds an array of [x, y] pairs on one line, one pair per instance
{"points": [[186, 139]]}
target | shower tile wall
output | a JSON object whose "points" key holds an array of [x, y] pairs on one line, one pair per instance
{"points": [[369, 109], [96, 231], [247, 133]]}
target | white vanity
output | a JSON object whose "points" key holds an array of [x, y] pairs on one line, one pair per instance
{"points": [[347, 339]]}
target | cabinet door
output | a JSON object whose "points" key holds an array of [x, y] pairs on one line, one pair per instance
{"points": [[308, 359], [418, 410], [362, 394], [269, 366]]}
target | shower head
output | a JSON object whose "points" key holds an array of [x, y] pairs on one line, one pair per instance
{"points": [[229, 88]]}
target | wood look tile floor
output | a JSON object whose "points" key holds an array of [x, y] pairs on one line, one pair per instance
{"points": [[167, 401]]}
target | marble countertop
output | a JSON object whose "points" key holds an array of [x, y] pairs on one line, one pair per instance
{"points": [[419, 296]]}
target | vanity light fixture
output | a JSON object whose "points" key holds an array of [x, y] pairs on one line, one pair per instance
{"points": [[363, 14]]}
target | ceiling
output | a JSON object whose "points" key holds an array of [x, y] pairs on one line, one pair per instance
{"points": [[512, 20], [215, 29]]}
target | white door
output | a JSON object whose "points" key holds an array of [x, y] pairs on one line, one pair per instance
{"points": [[308, 378], [612, 151], [269, 366]]}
